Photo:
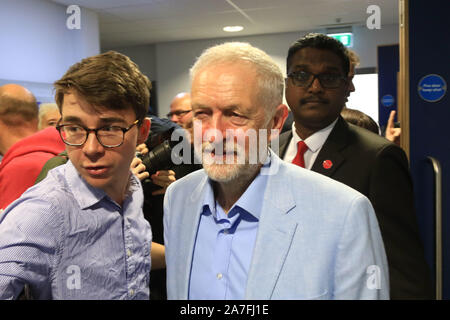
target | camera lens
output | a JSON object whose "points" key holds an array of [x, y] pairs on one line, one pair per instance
{"points": [[159, 158]]}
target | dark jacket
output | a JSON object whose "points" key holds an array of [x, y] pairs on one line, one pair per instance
{"points": [[379, 169]]}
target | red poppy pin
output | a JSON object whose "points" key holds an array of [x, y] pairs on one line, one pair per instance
{"points": [[327, 164]]}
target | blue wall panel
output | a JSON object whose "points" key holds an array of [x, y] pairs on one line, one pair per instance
{"points": [[429, 53]]}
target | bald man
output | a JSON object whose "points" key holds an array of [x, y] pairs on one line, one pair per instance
{"points": [[24, 149], [181, 111], [18, 115]]}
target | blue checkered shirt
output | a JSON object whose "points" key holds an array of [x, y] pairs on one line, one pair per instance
{"points": [[68, 240]]}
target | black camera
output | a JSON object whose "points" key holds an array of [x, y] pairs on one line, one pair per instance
{"points": [[160, 147], [159, 158]]}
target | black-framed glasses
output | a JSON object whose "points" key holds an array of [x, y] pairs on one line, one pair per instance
{"points": [[107, 136], [327, 80], [178, 113]]}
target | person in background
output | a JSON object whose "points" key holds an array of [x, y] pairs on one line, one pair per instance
{"points": [[317, 87], [25, 149], [24, 161], [80, 233], [262, 228], [48, 115], [154, 191], [181, 111], [18, 115], [360, 119], [354, 62], [393, 132]]}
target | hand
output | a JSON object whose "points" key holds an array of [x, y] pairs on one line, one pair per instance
{"points": [[162, 178], [138, 169], [392, 133], [142, 148], [158, 256]]}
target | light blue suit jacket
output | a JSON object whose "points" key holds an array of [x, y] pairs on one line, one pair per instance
{"points": [[317, 238]]}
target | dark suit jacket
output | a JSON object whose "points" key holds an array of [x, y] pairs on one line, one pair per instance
{"points": [[379, 170]]}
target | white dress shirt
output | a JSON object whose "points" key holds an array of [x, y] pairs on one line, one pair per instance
{"points": [[314, 143]]}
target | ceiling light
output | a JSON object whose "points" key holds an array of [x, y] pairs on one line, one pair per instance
{"points": [[233, 28]]}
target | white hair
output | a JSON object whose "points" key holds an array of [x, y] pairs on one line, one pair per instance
{"points": [[43, 109], [270, 79]]}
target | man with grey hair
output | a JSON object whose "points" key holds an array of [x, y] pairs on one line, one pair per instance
{"points": [[48, 115], [248, 225]]}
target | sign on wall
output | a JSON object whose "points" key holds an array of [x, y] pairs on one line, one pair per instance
{"points": [[387, 100], [432, 88]]}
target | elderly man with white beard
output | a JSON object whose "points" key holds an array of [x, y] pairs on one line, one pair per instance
{"points": [[248, 225]]}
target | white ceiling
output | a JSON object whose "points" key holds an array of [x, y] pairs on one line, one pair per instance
{"points": [[137, 22]]}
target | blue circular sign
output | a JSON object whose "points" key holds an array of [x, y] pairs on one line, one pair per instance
{"points": [[432, 88], [387, 100]]}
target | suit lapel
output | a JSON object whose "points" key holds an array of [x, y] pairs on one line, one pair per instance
{"points": [[275, 233], [330, 156], [188, 234], [283, 141]]}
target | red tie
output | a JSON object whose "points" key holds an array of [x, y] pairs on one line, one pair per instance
{"points": [[301, 149]]}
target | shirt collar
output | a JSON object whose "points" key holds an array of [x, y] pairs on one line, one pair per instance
{"points": [[316, 140], [209, 203], [87, 195]]}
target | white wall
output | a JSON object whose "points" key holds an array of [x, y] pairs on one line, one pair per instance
{"points": [[365, 97], [37, 47], [367, 41], [173, 59], [144, 56]]}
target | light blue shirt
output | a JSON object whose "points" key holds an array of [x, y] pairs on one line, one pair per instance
{"points": [[69, 240], [224, 245]]}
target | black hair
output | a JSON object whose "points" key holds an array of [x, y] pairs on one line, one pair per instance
{"points": [[322, 42]]}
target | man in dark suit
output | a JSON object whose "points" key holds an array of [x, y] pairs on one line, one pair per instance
{"points": [[317, 86]]}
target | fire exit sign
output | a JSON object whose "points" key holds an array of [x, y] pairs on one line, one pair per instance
{"points": [[345, 38]]}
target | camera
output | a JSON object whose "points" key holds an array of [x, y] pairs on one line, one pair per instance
{"points": [[160, 155], [159, 158]]}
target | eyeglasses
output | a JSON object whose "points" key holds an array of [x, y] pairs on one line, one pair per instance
{"points": [[108, 136], [305, 79], [178, 113]]}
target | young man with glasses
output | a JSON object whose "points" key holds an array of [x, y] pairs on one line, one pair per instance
{"points": [[80, 233], [317, 86]]}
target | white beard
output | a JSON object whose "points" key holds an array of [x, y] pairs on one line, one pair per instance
{"points": [[217, 170]]}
